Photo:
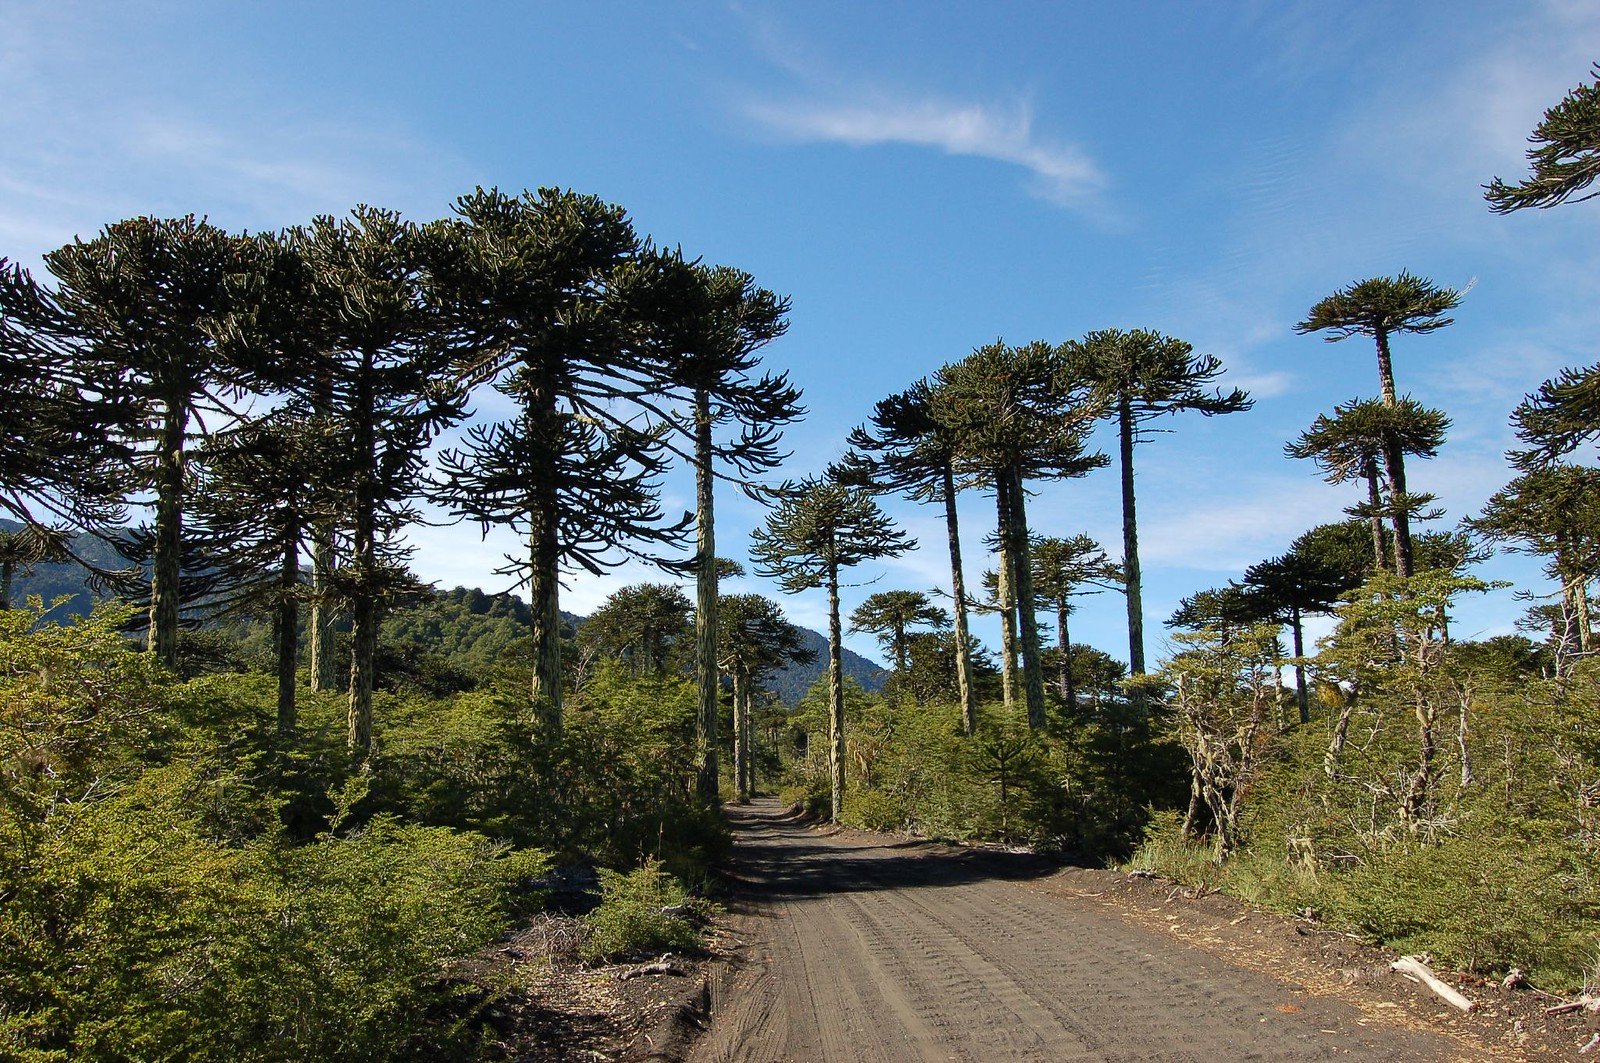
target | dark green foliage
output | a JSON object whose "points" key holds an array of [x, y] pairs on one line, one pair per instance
{"points": [[1565, 155], [641, 913]]}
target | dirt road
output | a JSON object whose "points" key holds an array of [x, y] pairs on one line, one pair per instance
{"points": [[858, 947]]}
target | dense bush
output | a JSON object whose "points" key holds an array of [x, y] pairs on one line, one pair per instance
{"points": [[185, 884], [642, 912]]}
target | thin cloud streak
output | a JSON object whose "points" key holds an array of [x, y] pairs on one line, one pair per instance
{"points": [[1062, 173]]}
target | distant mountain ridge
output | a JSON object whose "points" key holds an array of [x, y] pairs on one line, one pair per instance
{"points": [[53, 581]]}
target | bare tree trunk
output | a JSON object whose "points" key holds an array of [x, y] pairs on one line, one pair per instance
{"points": [[1300, 695], [958, 589], [1130, 549], [1375, 519], [324, 666], [1022, 566], [1394, 457], [705, 615], [741, 736], [1006, 599], [835, 694], [1064, 655], [8, 569], [287, 636], [166, 564], [544, 594], [363, 559]]}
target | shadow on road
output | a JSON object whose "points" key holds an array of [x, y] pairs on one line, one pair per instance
{"points": [[779, 855]]}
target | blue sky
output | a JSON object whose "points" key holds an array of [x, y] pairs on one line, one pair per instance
{"points": [[920, 179]]}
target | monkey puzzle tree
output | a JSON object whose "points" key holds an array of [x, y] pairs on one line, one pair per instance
{"points": [[1060, 568], [754, 639], [1565, 155], [1380, 307], [57, 425], [261, 488], [1352, 445], [1018, 416], [706, 325], [150, 296], [819, 527], [890, 615], [22, 549], [909, 452], [389, 393], [1553, 511], [642, 623], [534, 291], [1140, 376], [1283, 589]]}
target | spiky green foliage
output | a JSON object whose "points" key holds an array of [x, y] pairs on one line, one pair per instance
{"points": [[644, 624], [820, 527], [890, 615], [1565, 156]]}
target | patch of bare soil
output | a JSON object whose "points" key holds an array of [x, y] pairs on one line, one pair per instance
{"points": [[1508, 1022], [540, 1004], [856, 946]]}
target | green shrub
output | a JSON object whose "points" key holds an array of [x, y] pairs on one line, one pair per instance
{"points": [[643, 911]]}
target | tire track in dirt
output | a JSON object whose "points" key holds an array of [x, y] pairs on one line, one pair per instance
{"points": [[863, 948]]}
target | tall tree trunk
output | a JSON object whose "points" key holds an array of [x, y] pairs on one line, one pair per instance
{"points": [[1380, 563], [168, 557], [8, 569], [363, 559], [958, 590], [835, 694], [741, 736], [1022, 566], [287, 634], [1064, 655], [544, 595], [1300, 695], [324, 663], [1130, 547], [705, 615], [544, 586], [1006, 599], [1394, 457]]}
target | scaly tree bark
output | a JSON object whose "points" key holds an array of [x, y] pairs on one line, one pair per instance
{"points": [[819, 527]]}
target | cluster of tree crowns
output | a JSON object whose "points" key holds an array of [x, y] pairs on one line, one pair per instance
{"points": [[273, 396], [134, 374]]}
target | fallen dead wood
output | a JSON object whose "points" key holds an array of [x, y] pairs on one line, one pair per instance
{"points": [[1413, 968], [661, 967], [1584, 1002]]}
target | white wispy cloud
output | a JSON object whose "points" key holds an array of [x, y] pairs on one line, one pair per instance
{"points": [[1062, 173]]}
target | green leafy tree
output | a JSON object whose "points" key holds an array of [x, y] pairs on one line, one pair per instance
{"points": [[1565, 156], [820, 527], [708, 325], [1285, 588], [390, 392], [57, 426], [1555, 512], [535, 293], [890, 615], [151, 296], [1019, 416], [1382, 307], [646, 624], [908, 451], [1352, 443], [1140, 377], [755, 639], [1063, 569]]}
